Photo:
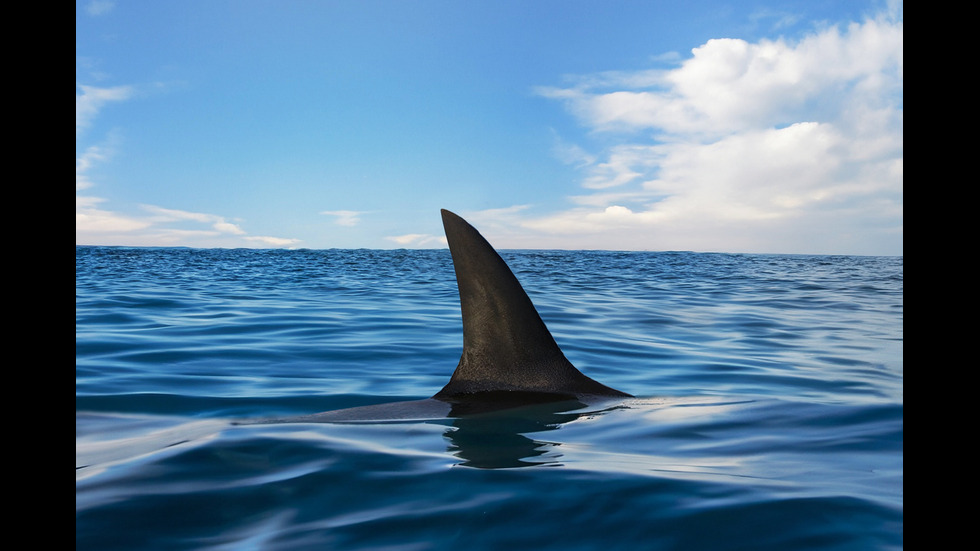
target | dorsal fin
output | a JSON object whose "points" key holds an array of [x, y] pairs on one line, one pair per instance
{"points": [[506, 346]]}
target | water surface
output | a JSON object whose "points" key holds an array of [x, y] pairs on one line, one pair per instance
{"points": [[768, 410]]}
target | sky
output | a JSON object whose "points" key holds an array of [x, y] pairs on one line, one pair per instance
{"points": [[708, 125]]}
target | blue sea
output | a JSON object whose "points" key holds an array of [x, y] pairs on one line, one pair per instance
{"points": [[768, 409]]}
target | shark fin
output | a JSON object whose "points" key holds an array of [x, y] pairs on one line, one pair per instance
{"points": [[506, 345]]}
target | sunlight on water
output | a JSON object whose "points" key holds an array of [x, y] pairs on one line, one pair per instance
{"points": [[769, 409], [127, 438]]}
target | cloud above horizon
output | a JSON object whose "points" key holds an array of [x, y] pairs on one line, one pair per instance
{"points": [[160, 226], [789, 143], [757, 140], [157, 226], [345, 217], [418, 240]]}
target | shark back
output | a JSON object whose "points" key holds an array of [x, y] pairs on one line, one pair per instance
{"points": [[506, 345]]}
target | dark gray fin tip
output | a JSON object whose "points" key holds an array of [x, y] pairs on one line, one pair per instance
{"points": [[506, 345]]}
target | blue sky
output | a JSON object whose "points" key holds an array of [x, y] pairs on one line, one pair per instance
{"points": [[732, 126]]}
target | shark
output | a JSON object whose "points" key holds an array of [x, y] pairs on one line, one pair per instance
{"points": [[510, 359], [512, 381]]}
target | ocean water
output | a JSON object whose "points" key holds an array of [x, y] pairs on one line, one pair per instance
{"points": [[768, 409]]}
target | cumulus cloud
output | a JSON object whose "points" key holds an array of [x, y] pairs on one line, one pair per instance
{"points": [[746, 140], [729, 85]]}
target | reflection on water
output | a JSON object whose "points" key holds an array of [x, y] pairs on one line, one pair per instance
{"points": [[502, 433], [770, 414], [105, 440], [498, 439]]}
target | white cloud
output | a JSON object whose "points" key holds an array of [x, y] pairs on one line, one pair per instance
{"points": [[496, 222], [743, 146], [729, 85], [228, 227], [161, 227], [91, 220], [99, 7], [160, 214], [91, 157], [417, 240], [571, 154], [154, 226], [624, 164], [345, 217], [273, 241], [218, 223], [89, 100]]}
